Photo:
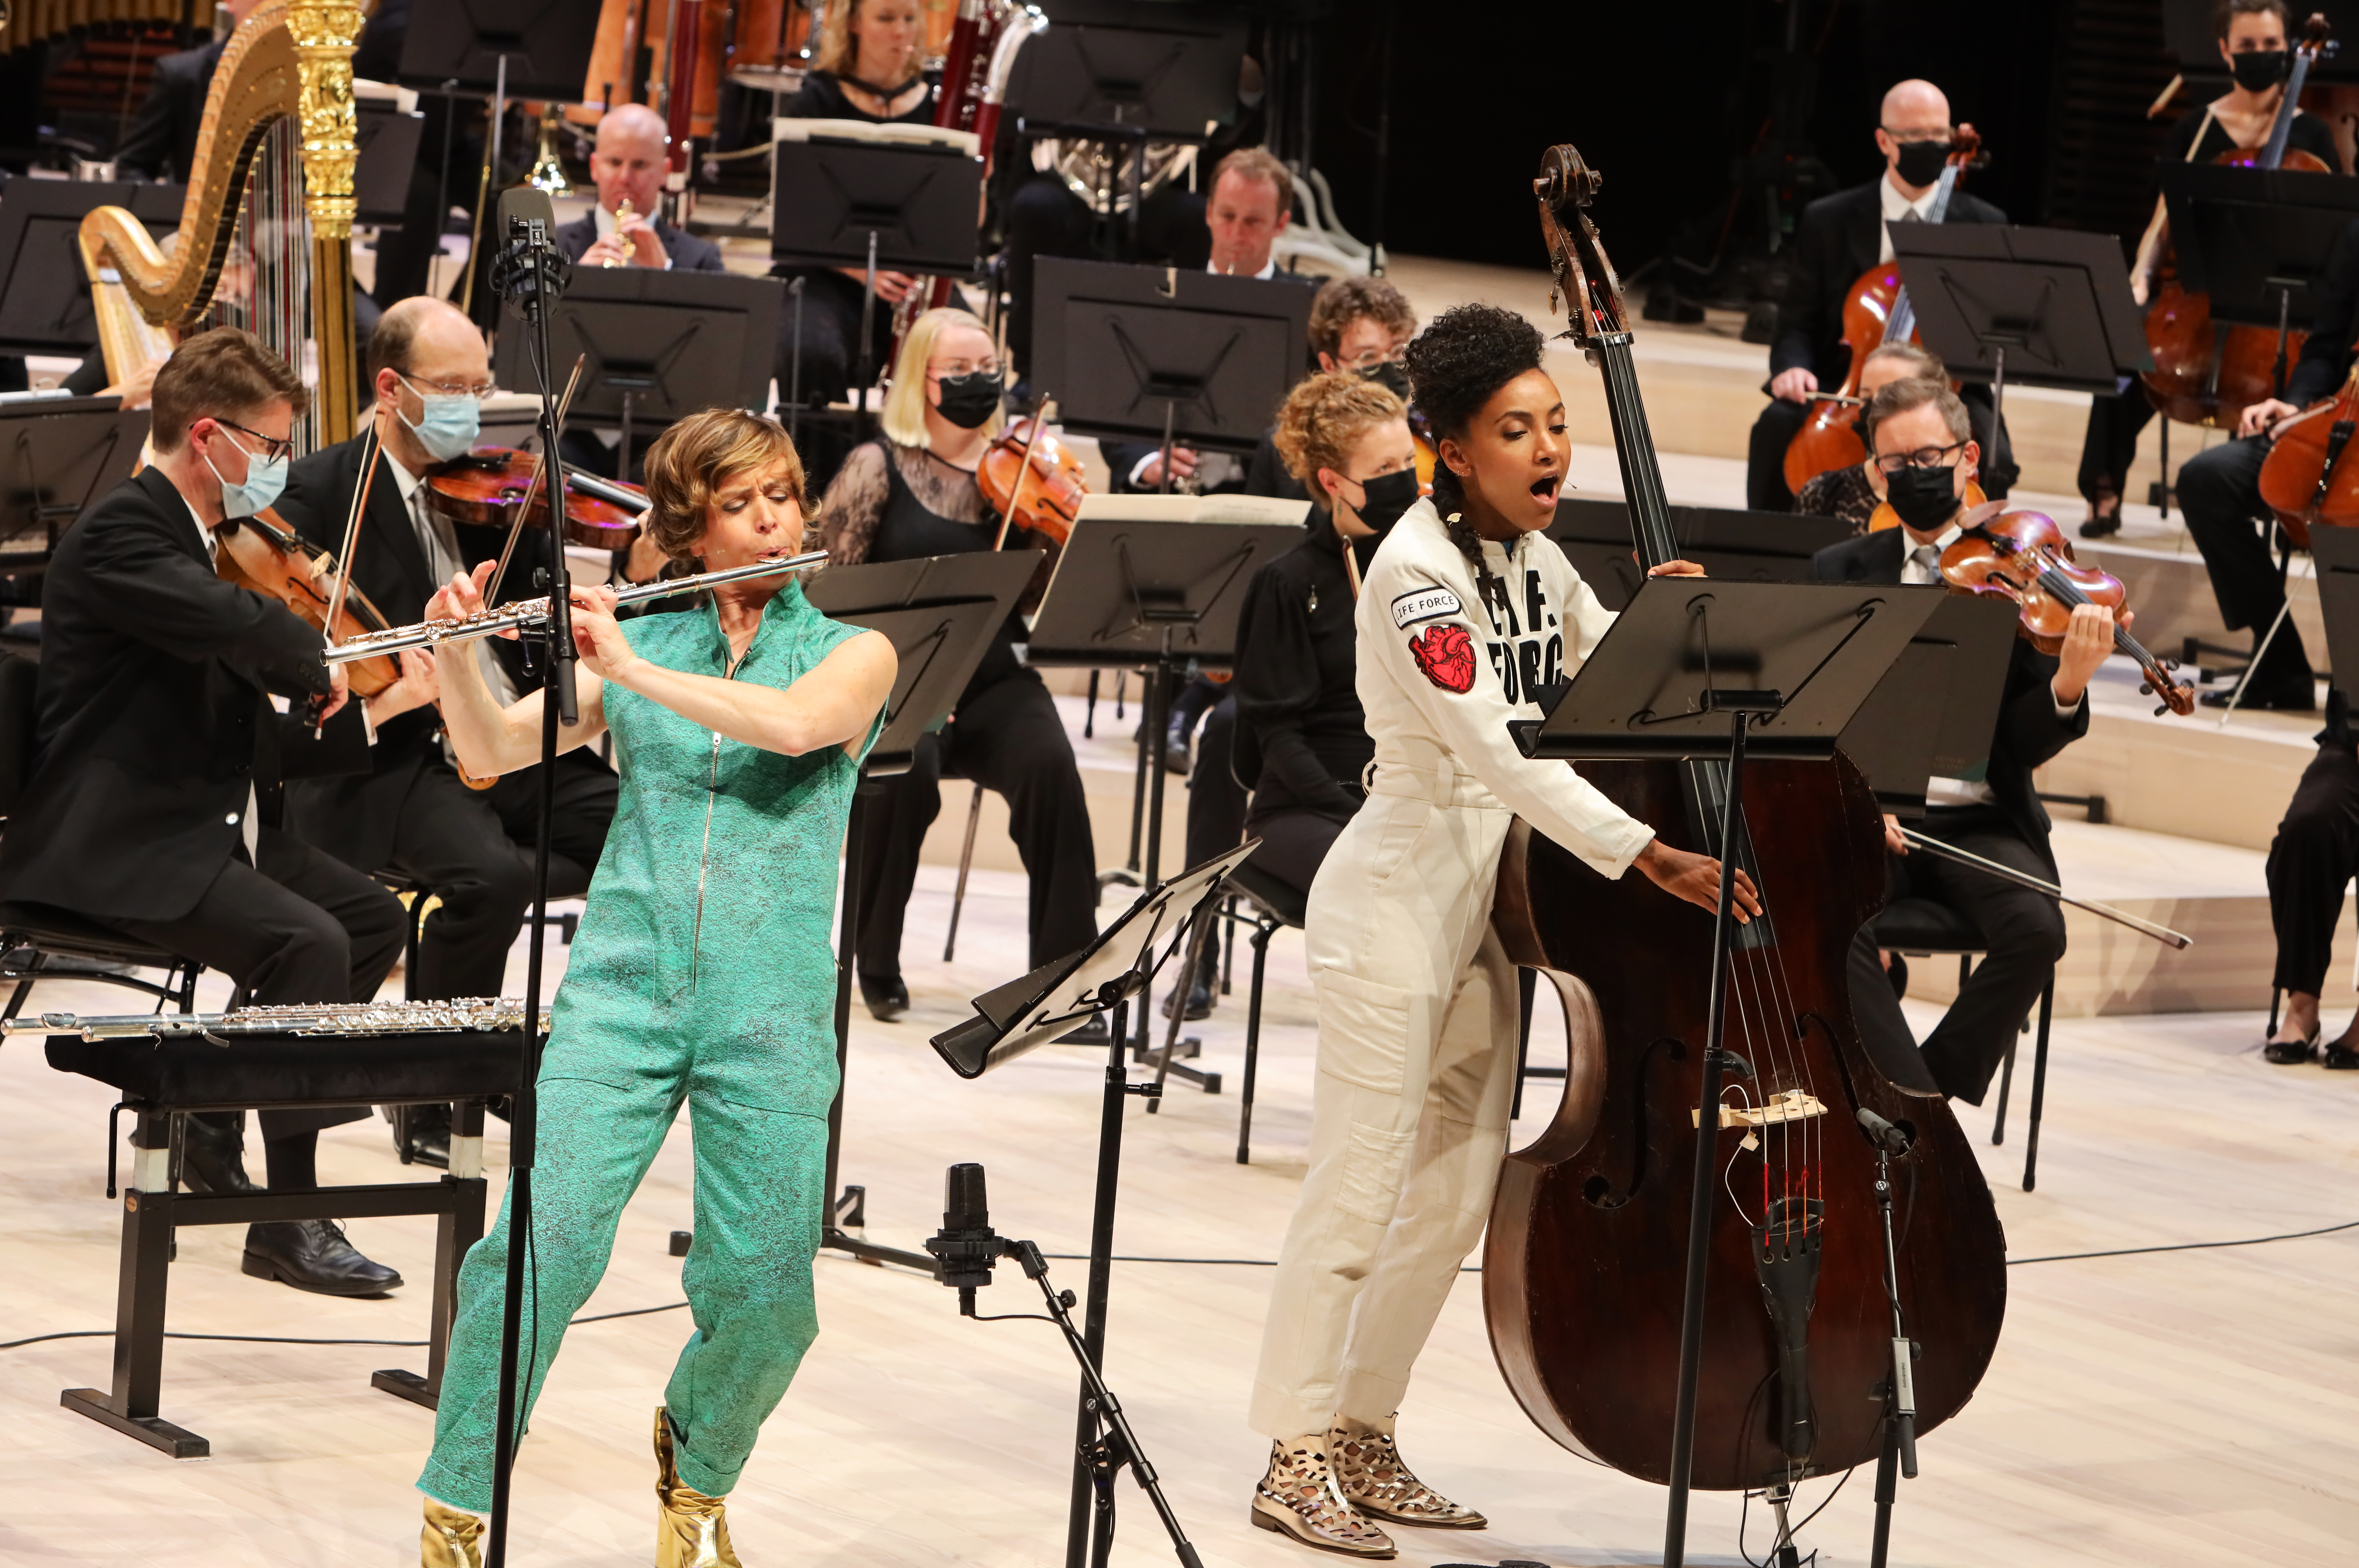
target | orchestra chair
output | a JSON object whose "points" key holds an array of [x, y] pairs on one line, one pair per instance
{"points": [[160, 1081], [1270, 905], [1919, 928], [34, 937]]}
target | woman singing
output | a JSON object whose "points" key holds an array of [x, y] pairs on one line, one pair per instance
{"points": [[911, 494], [1466, 609], [702, 973]]}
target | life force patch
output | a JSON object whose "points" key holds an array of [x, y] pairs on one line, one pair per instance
{"points": [[1424, 604], [1446, 656]]}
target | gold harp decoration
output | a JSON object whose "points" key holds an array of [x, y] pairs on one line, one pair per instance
{"points": [[291, 60]]}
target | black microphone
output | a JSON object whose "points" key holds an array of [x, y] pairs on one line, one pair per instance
{"points": [[527, 267], [966, 1244], [1884, 1133]]}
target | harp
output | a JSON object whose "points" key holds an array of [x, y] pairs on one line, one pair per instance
{"points": [[265, 236]]}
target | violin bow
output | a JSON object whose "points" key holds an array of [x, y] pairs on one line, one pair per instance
{"points": [[1023, 470], [532, 486], [371, 449], [2162, 934]]}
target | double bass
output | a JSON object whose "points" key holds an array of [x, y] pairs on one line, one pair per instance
{"points": [[1584, 1264], [1875, 312], [2207, 373]]}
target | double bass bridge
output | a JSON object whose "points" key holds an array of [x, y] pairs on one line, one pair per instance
{"points": [[1792, 1105]]}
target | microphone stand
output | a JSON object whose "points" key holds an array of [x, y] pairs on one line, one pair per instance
{"points": [[530, 272], [1900, 1390]]}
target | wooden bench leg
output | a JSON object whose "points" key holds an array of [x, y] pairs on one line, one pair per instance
{"points": [[139, 1297]]}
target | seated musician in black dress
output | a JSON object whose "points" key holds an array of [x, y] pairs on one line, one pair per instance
{"points": [[2253, 47], [409, 814], [1850, 493], [1925, 453], [913, 493], [156, 736], [868, 66], [1300, 739], [2311, 860], [1839, 238]]}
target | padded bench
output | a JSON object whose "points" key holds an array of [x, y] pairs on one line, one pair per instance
{"points": [[162, 1080]]}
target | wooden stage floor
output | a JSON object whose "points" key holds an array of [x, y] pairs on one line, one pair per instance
{"points": [[2176, 1408]]}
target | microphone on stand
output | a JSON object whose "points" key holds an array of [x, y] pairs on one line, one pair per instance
{"points": [[1893, 1139], [966, 1244], [529, 270]]}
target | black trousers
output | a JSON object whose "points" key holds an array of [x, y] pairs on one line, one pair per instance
{"points": [[294, 926], [2311, 860], [473, 849], [1774, 431], [2220, 492], [2111, 443], [1294, 843], [1009, 738], [2026, 932], [1216, 801], [1046, 219]]}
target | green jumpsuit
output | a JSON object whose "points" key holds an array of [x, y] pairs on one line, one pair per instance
{"points": [[703, 970]]}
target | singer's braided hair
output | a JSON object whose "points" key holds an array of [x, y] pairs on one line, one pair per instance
{"points": [[1465, 355]]}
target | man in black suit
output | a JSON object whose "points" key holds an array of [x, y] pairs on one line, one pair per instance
{"points": [[1925, 452], [163, 135], [410, 814], [155, 729], [629, 164], [1839, 238]]}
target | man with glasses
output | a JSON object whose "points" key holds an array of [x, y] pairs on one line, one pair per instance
{"points": [[1924, 453], [410, 815], [156, 742], [1839, 238]]}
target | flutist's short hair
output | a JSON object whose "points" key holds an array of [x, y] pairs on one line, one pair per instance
{"points": [[694, 461]]}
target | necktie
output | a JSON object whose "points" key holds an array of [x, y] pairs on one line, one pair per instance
{"points": [[1924, 560]]}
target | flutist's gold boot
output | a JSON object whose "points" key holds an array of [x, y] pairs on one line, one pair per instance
{"points": [[449, 1540], [691, 1530]]}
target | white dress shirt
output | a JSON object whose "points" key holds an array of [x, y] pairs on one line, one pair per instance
{"points": [[1899, 208]]}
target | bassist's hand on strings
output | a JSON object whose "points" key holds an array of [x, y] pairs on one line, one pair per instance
{"points": [[1677, 569], [1695, 877]]}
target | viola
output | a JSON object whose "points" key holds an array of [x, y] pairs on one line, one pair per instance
{"points": [[484, 488], [1585, 1262], [2304, 478], [263, 554], [1033, 480], [1876, 311], [2024, 557], [2206, 373]]}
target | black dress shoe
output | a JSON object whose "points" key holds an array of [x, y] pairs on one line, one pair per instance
{"points": [[313, 1255], [212, 1149], [887, 999], [2098, 527], [2341, 1058], [1175, 756], [1200, 1001], [421, 1134], [2291, 1053], [1095, 1031]]}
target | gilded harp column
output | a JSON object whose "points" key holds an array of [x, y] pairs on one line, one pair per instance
{"points": [[324, 32]]}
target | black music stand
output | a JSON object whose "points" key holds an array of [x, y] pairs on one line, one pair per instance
{"points": [[1934, 712], [1746, 546], [658, 345], [901, 205], [940, 613], [2049, 307], [1158, 581], [1034, 1011], [388, 151], [1160, 353], [56, 456], [1695, 669], [508, 48], [45, 298]]}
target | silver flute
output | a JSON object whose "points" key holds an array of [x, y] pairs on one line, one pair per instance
{"points": [[482, 1013], [533, 613]]}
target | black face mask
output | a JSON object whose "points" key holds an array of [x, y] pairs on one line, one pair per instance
{"points": [[1920, 163], [1384, 498], [1925, 498], [1392, 377], [2257, 70], [969, 401]]}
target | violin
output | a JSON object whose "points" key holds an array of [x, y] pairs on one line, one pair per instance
{"points": [[2304, 478], [1585, 1263], [1876, 311], [1033, 480], [2024, 557], [481, 490], [2206, 373], [263, 554]]}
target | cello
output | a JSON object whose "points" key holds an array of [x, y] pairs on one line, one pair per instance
{"points": [[2208, 373], [1584, 1263], [1876, 311]]}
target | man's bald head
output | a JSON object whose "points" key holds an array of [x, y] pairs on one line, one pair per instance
{"points": [[420, 326], [1914, 103], [632, 123]]}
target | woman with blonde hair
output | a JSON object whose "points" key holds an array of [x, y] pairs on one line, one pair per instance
{"points": [[702, 973], [912, 493]]}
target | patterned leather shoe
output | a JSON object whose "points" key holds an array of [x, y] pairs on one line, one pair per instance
{"points": [[449, 1540], [1300, 1497], [1371, 1474], [691, 1530]]}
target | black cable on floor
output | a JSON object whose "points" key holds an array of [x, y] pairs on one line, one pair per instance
{"points": [[2189, 1246], [285, 1339]]}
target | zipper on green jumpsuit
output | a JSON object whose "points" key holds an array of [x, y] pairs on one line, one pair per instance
{"points": [[704, 850]]}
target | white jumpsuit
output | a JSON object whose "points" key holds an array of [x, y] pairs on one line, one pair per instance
{"points": [[1417, 1002]]}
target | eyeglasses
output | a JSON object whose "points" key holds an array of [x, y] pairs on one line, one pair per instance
{"points": [[1920, 133], [1369, 358], [477, 390], [1922, 458], [943, 369], [273, 448]]}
